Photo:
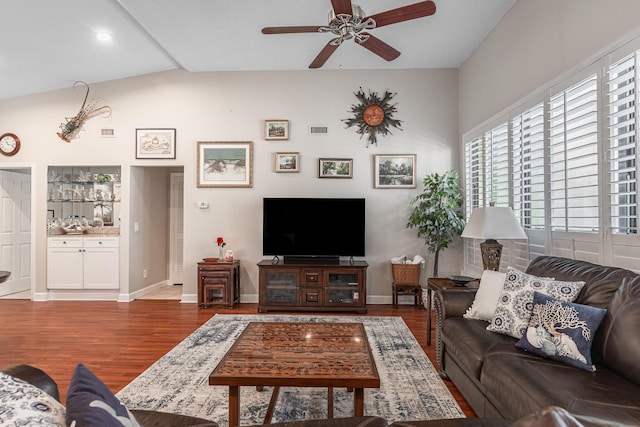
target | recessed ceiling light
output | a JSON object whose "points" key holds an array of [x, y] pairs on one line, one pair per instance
{"points": [[103, 37]]}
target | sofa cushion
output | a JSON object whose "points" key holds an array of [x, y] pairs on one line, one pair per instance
{"points": [[486, 300], [618, 335], [23, 404], [90, 403], [520, 384], [601, 281], [562, 331], [516, 300]]}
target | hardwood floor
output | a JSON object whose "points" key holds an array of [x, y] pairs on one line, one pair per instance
{"points": [[118, 341]]}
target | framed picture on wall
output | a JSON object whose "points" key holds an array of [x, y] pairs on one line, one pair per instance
{"points": [[155, 143], [394, 171], [225, 164], [335, 168], [276, 130], [287, 162]]}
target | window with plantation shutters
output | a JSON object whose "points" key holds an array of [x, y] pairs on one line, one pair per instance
{"points": [[622, 110], [574, 166], [573, 158]]}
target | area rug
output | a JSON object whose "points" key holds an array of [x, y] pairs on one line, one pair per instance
{"points": [[410, 387]]}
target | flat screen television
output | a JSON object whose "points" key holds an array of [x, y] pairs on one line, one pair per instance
{"points": [[313, 228]]}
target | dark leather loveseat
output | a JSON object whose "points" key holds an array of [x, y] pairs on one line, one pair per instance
{"points": [[501, 381]]}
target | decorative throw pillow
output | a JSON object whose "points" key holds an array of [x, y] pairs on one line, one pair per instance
{"points": [[562, 331], [486, 300], [23, 404], [90, 403], [516, 300]]}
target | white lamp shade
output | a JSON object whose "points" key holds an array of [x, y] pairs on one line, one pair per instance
{"points": [[493, 223]]}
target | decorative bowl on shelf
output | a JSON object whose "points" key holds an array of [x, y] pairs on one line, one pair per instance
{"points": [[460, 280], [74, 229]]}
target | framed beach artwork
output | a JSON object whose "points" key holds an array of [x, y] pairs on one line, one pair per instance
{"points": [[225, 164], [155, 143], [394, 171], [276, 130], [287, 162], [335, 168]]}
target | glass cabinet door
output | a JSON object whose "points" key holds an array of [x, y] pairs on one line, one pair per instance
{"points": [[343, 288], [281, 287]]}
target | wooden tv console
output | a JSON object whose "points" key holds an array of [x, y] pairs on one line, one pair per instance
{"points": [[313, 286]]}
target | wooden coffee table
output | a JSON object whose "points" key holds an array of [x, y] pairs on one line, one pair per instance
{"points": [[298, 355]]}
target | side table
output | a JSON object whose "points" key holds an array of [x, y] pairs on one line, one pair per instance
{"points": [[218, 283], [436, 283]]}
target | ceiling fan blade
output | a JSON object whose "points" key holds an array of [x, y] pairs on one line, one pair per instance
{"points": [[380, 48], [287, 30], [405, 13], [324, 54], [341, 6]]}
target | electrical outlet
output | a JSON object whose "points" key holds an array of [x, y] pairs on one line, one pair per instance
{"points": [[145, 273]]}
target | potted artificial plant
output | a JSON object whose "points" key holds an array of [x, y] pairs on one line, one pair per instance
{"points": [[436, 212]]}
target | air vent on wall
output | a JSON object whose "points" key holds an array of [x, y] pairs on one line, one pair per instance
{"points": [[107, 133], [318, 130]]}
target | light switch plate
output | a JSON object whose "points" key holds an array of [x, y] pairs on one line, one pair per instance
{"points": [[203, 205]]}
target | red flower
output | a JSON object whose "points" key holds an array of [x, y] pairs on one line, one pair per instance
{"points": [[220, 242]]}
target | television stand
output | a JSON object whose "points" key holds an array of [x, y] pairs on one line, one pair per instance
{"points": [[312, 285]]}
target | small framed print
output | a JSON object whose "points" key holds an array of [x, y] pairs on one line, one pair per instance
{"points": [[276, 130], [394, 171], [225, 164], [155, 143], [335, 168], [287, 162]]}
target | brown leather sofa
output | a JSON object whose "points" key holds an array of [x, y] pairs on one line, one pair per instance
{"points": [[548, 417], [501, 381]]}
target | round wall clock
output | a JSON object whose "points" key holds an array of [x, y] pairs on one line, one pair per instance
{"points": [[373, 115], [9, 144]]}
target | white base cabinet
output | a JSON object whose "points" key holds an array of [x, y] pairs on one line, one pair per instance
{"points": [[83, 262]]}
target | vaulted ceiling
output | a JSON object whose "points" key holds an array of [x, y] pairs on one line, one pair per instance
{"points": [[47, 45]]}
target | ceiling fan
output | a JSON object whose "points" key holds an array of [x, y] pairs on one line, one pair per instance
{"points": [[348, 21]]}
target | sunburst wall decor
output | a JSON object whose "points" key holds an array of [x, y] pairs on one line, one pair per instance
{"points": [[373, 115]]}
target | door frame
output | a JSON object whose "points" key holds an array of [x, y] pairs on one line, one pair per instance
{"points": [[172, 222]]}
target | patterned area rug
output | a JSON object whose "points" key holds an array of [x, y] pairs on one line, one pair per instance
{"points": [[410, 387]]}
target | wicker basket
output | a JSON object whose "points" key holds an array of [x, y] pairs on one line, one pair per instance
{"points": [[406, 273]]}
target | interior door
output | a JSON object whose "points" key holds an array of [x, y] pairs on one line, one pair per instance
{"points": [[15, 230], [176, 239]]}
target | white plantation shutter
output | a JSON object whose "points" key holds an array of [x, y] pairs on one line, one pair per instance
{"points": [[622, 107], [474, 196], [622, 84], [496, 178], [527, 176]]}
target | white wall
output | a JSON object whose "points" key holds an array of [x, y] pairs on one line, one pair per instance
{"points": [[535, 42], [232, 107]]}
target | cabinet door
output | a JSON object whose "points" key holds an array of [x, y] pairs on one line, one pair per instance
{"points": [[343, 287], [280, 287], [64, 263], [101, 263]]}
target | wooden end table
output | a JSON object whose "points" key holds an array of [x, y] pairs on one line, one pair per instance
{"points": [[298, 355], [436, 283]]}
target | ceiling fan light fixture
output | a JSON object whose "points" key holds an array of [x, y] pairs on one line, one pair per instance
{"points": [[347, 27]]}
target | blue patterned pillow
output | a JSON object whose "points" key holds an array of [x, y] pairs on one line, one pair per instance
{"points": [[516, 300], [90, 403], [23, 404], [562, 331]]}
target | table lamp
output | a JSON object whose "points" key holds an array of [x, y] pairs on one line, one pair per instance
{"points": [[493, 223]]}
